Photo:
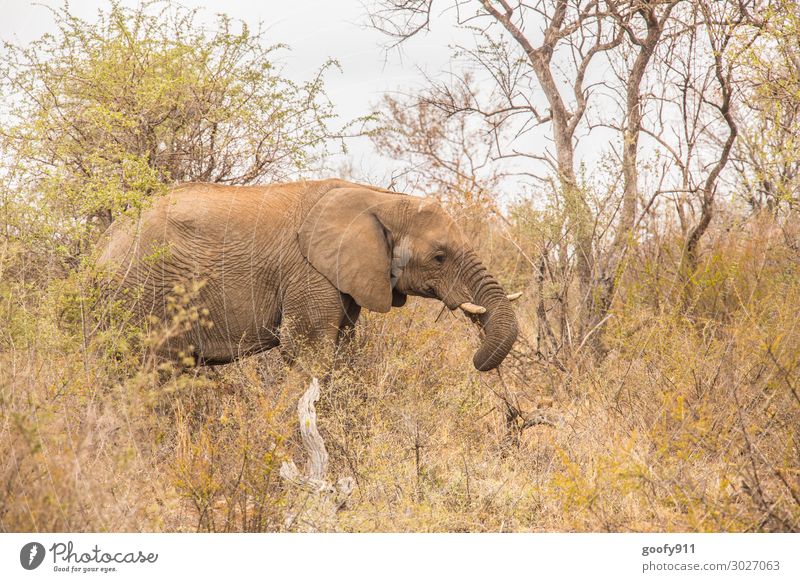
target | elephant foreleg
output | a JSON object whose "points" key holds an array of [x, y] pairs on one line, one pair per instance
{"points": [[311, 327], [346, 337]]}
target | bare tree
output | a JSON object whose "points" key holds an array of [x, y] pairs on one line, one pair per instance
{"points": [[644, 23], [547, 79], [719, 22], [520, 63]]}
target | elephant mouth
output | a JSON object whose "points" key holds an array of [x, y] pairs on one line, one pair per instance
{"points": [[428, 293]]}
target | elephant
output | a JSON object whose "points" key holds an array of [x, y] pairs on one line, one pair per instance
{"points": [[294, 263]]}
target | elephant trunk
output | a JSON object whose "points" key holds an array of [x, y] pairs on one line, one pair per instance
{"points": [[498, 321]]}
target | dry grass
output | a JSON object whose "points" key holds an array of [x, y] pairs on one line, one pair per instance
{"points": [[690, 423]]}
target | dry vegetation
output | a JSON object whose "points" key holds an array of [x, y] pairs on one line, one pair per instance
{"points": [[689, 424], [680, 411]]}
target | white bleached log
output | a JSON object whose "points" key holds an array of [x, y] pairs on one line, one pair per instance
{"points": [[328, 498]]}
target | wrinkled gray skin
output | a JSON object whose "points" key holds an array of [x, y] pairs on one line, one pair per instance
{"points": [[297, 260]]}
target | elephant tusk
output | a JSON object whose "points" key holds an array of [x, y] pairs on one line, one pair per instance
{"points": [[514, 296], [472, 308]]}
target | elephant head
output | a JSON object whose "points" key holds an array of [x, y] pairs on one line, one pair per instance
{"points": [[379, 247]]}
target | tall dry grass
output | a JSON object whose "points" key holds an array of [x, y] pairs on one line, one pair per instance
{"points": [[689, 423]]}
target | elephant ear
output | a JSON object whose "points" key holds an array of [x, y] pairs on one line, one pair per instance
{"points": [[344, 240]]}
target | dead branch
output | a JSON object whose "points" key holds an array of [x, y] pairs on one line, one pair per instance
{"points": [[323, 499]]}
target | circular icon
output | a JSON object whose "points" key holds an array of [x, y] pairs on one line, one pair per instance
{"points": [[31, 555]]}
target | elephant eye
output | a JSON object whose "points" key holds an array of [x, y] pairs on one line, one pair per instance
{"points": [[439, 257]]}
